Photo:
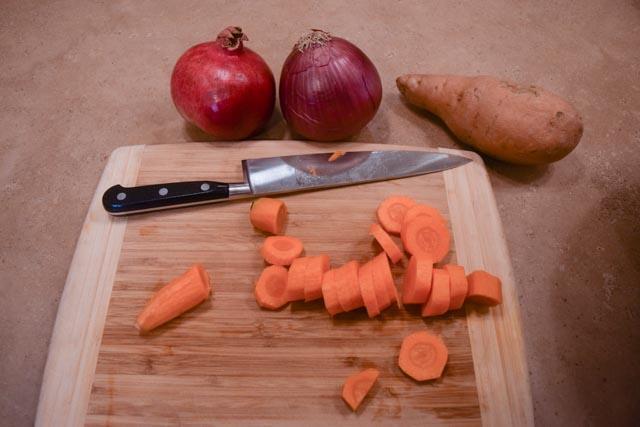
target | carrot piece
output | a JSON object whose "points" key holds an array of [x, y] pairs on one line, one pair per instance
{"points": [[438, 302], [484, 288], [391, 212], [270, 290], [358, 385], [316, 267], [296, 278], [268, 215], [458, 285], [179, 295], [424, 235], [281, 250], [423, 210], [347, 286], [417, 280], [367, 290], [423, 356], [330, 293], [336, 155], [386, 242], [383, 278]]}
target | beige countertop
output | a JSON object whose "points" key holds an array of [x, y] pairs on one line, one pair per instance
{"points": [[78, 79]]}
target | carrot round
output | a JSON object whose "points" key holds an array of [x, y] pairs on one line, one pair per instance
{"points": [[422, 210], [386, 242], [268, 215], [181, 294], [417, 280], [423, 356], [391, 212], [426, 236], [357, 386], [365, 280], [346, 282], [330, 293], [438, 302], [457, 285], [316, 267], [296, 278], [281, 250], [382, 275], [484, 288], [271, 287]]}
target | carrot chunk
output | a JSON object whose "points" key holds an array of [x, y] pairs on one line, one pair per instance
{"points": [[347, 286], [357, 386], [365, 280], [457, 284], [330, 293], [438, 302], [268, 215], [281, 250], [296, 278], [423, 210], [336, 155], [179, 295], [424, 235], [383, 279], [270, 290], [391, 212], [423, 356], [417, 280], [484, 288], [316, 267], [386, 242]]}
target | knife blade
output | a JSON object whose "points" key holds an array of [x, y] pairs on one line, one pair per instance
{"points": [[276, 175]]}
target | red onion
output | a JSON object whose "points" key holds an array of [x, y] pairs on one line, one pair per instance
{"points": [[224, 88], [329, 89]]}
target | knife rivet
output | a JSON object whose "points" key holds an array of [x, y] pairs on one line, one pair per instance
{"points": [[121, 196], [163, 191], [205, 186]]}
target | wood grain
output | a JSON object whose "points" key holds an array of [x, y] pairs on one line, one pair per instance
{"points": [[229, 362]]}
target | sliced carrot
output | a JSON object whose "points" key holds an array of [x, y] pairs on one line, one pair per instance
{"points": [[386, 242], [391, 212], [358, 385], [330, 293], [271, 287], [268, 215], [438, 302], [426, 236], [316, 267], [417, 280], [367, 290], [281, 250], [295, 281], [383, 278], [423, 210], [336, 155], [423, 356], [457, 284], [181, 294], [484, 288], [347, 285]]}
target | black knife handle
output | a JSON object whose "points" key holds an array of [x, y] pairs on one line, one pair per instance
{"points": [[119, 200]]}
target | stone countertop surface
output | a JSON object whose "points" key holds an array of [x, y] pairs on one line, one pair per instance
{"points": [[79, 79]]}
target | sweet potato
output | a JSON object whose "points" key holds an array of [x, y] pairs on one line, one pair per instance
{"points": [[514, 123]]}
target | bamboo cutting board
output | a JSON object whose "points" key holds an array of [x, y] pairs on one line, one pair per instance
{"points": [[229, 363]]}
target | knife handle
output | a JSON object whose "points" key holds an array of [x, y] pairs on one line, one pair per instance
{"points": [[119, 200]]}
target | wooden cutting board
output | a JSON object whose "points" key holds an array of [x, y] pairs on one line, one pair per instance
{"points": [[228, 362]]}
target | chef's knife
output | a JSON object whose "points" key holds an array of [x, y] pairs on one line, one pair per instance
{"points": [[274, 175]]}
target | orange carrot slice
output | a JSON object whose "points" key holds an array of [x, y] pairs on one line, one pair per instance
{"points": [[391, 212], [330, 293], [270, 290], [295, 280], [367, 290], [423, 210], [417, 280], [347, 286], [383, 278], [357, 386], [336, 155], [458, 285], [423, 356], [281, 250], [268, 215], [438, 302], [386, 242], [316, 267], [426, 236], [484, 288], [181, 294]]}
